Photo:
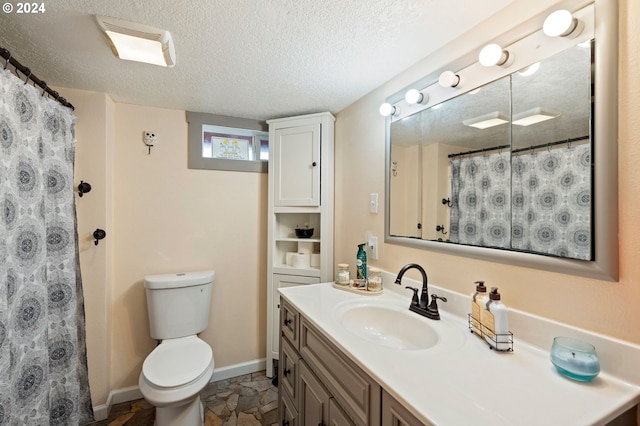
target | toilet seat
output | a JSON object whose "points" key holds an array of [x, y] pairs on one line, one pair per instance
{"points": [[177, 362]]}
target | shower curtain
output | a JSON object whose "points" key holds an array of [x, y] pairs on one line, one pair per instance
{"points": [[544, 206], [43, 365], [552, 202], [481, 212]]}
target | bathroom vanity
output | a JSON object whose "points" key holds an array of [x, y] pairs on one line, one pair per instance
{"points": [[367, 360]]}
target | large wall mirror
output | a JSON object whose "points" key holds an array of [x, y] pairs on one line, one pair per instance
{"points": [[520, 167]]}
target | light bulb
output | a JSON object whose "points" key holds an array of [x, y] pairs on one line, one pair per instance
{"points": [[413, 96], [449, 79], [561, 23], [386, 109], [493, 54]]}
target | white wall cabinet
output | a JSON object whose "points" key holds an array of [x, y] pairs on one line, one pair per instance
{"points": [[300, 196], [297, 175]]}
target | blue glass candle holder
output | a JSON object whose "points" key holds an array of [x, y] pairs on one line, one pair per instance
{"points": [[575, 359]]}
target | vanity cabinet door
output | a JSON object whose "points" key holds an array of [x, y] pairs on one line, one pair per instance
{"points": [[314, 398], [394, 413], [297, 166]]}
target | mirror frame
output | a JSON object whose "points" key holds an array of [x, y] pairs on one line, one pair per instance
{"points": [[605, 177]]}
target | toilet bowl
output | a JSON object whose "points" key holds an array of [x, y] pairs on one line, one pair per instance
{"points": [[172, 377]]}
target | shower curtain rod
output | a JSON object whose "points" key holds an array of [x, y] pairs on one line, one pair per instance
{"points": [[529, 148], [29, 76]]}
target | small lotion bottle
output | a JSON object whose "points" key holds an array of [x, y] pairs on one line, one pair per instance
{"points": [[496, 322], [478, 300]]}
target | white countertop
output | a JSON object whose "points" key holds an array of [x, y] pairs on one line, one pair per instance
{"points": [[467, 383]]}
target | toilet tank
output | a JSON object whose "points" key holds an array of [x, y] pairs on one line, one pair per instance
{"points": [[178, 304]]}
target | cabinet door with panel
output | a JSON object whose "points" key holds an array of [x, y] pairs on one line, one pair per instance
{"points": [[297, 166], [314, 398]]}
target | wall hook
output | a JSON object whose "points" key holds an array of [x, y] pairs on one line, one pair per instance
{"points": [[446, 202], [83, 188], [98, 234], [440, 228]]}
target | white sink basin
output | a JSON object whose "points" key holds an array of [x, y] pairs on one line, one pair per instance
{"points": [[398, 328]]}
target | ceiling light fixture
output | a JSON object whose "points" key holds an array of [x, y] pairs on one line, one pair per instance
{"points": [[414, 96], [386, 109], [449, 79], [561, 23], [533, 116], [494, 54], [136, 42], [487, 120]]}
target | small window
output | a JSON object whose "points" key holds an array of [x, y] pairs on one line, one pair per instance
{"points": [[219, 142]]}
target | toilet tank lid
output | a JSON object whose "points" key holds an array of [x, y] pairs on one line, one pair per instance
{"points": [[181, 279]]}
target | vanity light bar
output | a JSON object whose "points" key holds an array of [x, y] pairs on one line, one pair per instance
{"points": [[560, 25]]}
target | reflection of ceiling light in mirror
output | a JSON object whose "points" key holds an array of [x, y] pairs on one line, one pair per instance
{"points": [[414, 96], [475, 91], [436, 106], [561, 23], [449, 79], [530, 70], [487, 120], [386, 109], [493, 54], [533, 116], [137, 42]]}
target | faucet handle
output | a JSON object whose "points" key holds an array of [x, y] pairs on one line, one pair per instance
{"points": [[415, 300], [435, 296], [434, 302]]}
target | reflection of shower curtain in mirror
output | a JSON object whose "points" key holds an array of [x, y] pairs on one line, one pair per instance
{"points": [[480, 213], [552, 202]]}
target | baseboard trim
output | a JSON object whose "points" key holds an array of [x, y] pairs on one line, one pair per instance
{"points": [[238, 369], [117, 396]]}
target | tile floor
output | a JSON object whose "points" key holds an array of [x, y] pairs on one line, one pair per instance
{"points": [[249, 400]]}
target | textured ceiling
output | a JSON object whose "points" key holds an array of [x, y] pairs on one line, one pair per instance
{"points": [[246, 58]]}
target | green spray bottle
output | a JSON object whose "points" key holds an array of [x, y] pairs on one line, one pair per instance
{"points": [[361, 263]]}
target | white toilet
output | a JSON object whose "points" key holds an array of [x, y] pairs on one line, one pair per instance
{"points": [[178, 369]]}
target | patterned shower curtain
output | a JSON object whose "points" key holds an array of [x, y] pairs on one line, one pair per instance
{"points": [[552, 202], [43, 365], [481, 213]]}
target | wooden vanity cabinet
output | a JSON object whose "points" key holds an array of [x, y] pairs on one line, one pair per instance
{"points": [[318, 384]]}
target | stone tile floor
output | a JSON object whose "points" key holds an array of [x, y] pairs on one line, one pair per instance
{"points": [[249, 400]]}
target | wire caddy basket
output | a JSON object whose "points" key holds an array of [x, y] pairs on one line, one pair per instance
{"points": [[499, 342]]}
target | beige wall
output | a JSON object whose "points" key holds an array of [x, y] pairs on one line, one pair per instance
{"points": [[604, 307]]}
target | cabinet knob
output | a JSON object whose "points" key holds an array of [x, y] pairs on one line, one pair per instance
{"points": [[314, 164], [287, 321], [286, 372]]}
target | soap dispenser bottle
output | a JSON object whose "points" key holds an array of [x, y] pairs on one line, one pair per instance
{"points": [[361, 263], [496, 321], [478, 300]]}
